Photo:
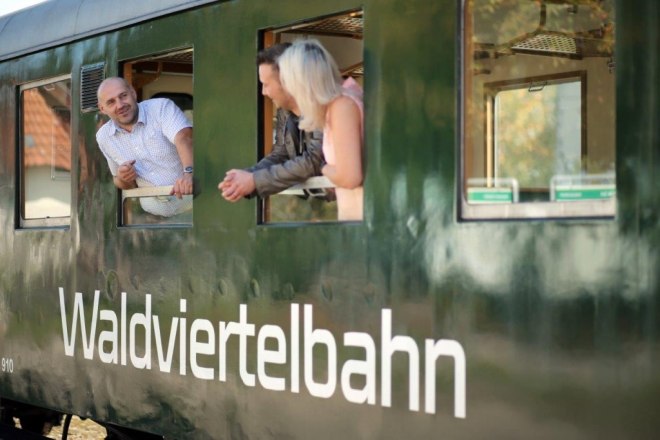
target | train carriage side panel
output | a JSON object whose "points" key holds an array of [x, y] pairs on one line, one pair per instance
{"points": [[557, 318]]}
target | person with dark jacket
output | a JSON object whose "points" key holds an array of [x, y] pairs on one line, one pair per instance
{"points": [[296, 155]]}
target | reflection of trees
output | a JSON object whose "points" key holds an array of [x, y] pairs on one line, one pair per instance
{"points": [[503, 22], [527, 136], [496, 21], [293, 209]]}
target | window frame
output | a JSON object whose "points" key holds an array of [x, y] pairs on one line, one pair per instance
{"points": [[605, 209], [491, 91], [315, 186], [45, 222], [123, 215]]}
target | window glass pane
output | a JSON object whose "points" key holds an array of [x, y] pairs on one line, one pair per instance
{"points": [[537, 133], [539, 108], [46, 151]]}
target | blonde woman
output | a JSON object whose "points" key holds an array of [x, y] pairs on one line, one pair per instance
{"points": [[309, 73]]}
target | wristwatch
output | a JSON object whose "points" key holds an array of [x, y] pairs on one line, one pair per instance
{"points": [[188, 170]]}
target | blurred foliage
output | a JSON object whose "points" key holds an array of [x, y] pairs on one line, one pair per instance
{"points": [[286, 208], [527, 125]]}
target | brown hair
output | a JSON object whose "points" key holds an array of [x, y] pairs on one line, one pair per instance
{"points": [[271, 55]]}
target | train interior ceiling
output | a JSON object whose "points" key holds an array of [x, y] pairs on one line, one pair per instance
{"points": [[540, 93], [166, 75]]}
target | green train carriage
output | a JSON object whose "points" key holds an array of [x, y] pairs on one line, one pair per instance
{"points": [[503, 282]]}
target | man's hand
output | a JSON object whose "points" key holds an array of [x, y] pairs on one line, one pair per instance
{"points": [[236, 185], [126, 171], [126, 175], [183, 186]]}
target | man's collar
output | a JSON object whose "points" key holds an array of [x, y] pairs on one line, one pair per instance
{"points": [[142, 115]]}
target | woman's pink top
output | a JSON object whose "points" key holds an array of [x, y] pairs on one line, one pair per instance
{"points": [[349, 201]]}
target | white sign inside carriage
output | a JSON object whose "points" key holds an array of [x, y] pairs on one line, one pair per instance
{"points": [[119, 345]]}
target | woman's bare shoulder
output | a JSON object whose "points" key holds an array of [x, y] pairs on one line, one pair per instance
{"points": [[343, 105]]}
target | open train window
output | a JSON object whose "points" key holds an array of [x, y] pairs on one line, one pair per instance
{"points": [[166, 75], [313, 200], [45, 153], [538, 109]]}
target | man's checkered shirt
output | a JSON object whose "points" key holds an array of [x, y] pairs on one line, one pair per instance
{"points": [[151, 143]]}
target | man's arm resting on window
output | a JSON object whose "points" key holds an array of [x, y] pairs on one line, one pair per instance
{"points": [[279, 177], [184, 147], [121, 184]]}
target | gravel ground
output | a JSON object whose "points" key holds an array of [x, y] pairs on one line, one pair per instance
{"points": [[79, 430]]}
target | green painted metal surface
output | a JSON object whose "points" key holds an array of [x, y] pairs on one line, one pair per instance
{"points": [[559, 320]]}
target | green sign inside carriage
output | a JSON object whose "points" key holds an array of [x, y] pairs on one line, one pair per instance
{"points": [[584, 192], [490, 195]]}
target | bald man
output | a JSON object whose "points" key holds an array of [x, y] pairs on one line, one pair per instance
{"points": [[146, 144]]}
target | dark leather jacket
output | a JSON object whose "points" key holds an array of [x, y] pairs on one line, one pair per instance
{"points": [[296, 156]]}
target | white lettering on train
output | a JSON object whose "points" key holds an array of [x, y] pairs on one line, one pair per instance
{"points": [[201, 341]]}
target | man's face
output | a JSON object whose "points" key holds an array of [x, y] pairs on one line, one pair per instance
{"points": [[119, 102], [271, 87]]}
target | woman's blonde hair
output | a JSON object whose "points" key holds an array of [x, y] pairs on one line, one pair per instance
{"points": [[309, 73]]}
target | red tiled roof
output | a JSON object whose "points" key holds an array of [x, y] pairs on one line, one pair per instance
{"points": [[43, 132]]}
